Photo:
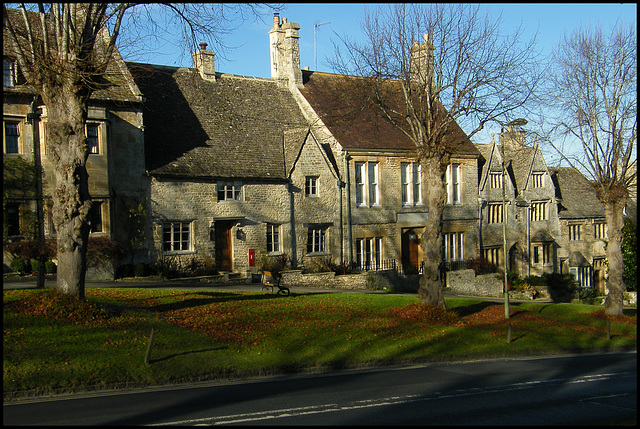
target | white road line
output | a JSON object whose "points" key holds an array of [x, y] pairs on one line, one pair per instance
{"points": [[393, 400]]}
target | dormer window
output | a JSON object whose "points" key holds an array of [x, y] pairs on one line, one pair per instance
{"points": [[8, 72], [537, 180]]}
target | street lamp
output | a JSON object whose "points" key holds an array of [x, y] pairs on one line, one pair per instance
{"points": [[519, 121], [315, 49]]}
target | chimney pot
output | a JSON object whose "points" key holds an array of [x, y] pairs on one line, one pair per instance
{"points": [[203, 46], [276, 19]]}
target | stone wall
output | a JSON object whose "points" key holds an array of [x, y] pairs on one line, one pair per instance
{"points": [[465, 282], [373, 280]]}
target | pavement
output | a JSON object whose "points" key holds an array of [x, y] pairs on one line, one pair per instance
{"points": [[12, 282]]}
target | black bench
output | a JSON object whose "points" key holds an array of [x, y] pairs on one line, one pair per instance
{"points": [[269, 281]]}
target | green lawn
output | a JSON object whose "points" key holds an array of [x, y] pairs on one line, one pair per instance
{"points": [[52, 342]]}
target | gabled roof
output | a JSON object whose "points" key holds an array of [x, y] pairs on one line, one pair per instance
{"points": [[116, 85], [577, 194], [232, 128], [354, 122]]}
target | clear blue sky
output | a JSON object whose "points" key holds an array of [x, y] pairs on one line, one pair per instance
{"points": [[251, 56]]}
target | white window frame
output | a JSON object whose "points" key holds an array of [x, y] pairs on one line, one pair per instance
{"points": [[273, 238], [176, 237], [369, 253], [229, 191], [316, 240], [6, 135], [411, 183], [453, 246], [367, 181], [454, 184], [311, 186]]}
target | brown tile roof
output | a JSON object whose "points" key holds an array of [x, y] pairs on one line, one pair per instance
{"points": [[231, 128], [577, 193], [353, 120]]}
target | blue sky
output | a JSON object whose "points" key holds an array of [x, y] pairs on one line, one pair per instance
{"points": [[250, 57]]}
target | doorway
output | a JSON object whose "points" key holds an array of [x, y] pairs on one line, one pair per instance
{"points": [[224, 251], [410, 251]]}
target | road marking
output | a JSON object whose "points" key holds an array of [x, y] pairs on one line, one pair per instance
{"points": [[392, 400]]}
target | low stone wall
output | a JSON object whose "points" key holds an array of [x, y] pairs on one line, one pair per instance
{"points": [[380, 280], [465, 282]]}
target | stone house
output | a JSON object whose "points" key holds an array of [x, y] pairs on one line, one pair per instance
{"points": [[116, 150]]}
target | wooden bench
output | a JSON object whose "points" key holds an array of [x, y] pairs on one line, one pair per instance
{"points": [[269, 281]]}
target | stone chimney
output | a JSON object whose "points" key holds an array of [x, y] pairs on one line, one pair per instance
{"points": [[203, 61], [285, 52], [421, 63]]}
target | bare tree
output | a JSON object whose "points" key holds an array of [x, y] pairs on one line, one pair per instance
{"points": [[593, 98], [63, 50], [463, 71]]}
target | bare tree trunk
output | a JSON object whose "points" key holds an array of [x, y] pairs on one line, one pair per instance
{"points": [[615, 222], [432, 280], [66, 111]]}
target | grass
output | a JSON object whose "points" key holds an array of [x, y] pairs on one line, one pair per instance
{"points": [[54, 343]]}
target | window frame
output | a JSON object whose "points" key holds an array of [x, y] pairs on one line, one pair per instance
{"points": [[411, 183], [369, 253], [172, 234], [495, 180], [224, 188], [575, 232], [11, 75], [539, 211], [316, 240], [311, 186], [93, 149], [273, 238], [600, 230], [18, 129], [367, 183], [453, 246], [495, 213], [97, 205], [454, 187]]}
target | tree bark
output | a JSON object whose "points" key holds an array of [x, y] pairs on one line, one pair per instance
{"points": [[67, 112], [615, 221], [432, 280]]}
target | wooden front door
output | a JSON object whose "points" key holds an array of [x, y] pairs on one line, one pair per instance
{"points": [[224, 255], [410, 251]]}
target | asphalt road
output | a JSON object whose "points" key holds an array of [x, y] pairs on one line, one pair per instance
{"points": [[568, 390]]}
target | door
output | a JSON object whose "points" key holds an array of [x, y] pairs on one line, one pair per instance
{"points": [[224, 254], [410, 251]]}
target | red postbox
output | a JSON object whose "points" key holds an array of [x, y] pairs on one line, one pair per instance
{"points": [[252, 257]]}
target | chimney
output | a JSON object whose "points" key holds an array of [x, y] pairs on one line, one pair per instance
{"points": [[203, 61], [421, 63], [285, 52]]}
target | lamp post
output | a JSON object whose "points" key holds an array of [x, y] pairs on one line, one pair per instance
{"points": [[315, 49], [519, 121]]}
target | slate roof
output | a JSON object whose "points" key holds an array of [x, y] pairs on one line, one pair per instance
{"points": [[117, 84], [353, 121], [232, 128], [577, 194]]}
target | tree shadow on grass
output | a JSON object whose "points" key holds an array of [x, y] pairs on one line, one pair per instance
{"points": [[205, 298], [468, 310], [185, 353]]}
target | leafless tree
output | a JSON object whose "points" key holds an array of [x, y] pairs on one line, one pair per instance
{"points": [[63, 50], [430, 68], [591, 120]]}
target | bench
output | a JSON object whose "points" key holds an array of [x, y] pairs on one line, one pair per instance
{"points": [[269, 281]]}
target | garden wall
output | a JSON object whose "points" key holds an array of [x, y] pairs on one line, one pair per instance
{"points": [[376, 280], [465, 282]]}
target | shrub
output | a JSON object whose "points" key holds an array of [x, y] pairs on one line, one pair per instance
{"points": [[481, 265], [561, 287], [50, 267], [101, 250], [140, 270], [40, 249], [18, 265]]}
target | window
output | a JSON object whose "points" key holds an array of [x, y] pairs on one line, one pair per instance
{"points": [[582, 275], [230, 191], [411, 179], [537, 180], [541, 253], [369, 253], [92, 138], [493, 255], [453, 183], [367, 183], [311, 186], [454, 246], [11, 135], [600, 230], [95, 217], [176, 236], [316, 240], [496, 180], [273, 238], [575, 232], [12, 219], [8, 72], [538, 211], [494, 213]]}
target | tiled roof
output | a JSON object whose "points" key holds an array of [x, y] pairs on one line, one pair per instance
{"points": [[231, 128], [577, 194], [116, 85], [353, 120]]}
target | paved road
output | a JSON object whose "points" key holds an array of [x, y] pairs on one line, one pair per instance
{"points": [[580, 389]]}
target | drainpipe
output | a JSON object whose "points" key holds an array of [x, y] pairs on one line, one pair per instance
{"points": [[292, 222], [341, 185], [348, 201]]}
